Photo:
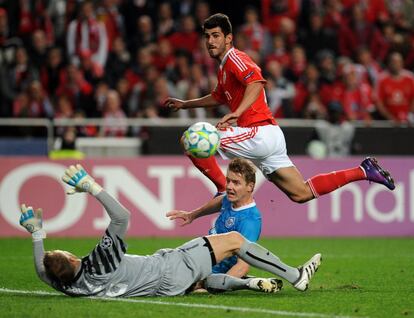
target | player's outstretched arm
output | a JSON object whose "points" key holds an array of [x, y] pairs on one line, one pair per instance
{"points": [[80, 181], [177, 104], [32, 221], [212, 206]]}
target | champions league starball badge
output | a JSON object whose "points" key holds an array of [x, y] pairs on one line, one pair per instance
{"points": [[106, 242]]}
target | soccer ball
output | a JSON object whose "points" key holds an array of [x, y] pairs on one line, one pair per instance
{"points": [[201, 140]]}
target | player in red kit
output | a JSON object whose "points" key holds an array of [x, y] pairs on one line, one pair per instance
{"points": [[251, 132], [396, 91]]}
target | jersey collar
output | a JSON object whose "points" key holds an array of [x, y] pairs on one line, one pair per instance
{"points": [[223, 61], [250, 205]]}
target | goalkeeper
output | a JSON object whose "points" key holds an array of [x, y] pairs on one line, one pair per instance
{"points": [[109, 272]]}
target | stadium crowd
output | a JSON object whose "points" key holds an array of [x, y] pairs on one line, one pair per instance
{"points": [[118, 59]]}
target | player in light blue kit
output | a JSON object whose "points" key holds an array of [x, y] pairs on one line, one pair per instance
{"points": [[238, 212], [108, 271]]}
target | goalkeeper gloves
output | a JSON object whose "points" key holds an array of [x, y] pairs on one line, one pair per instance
{"points": [[32, 221], [80, 180]]}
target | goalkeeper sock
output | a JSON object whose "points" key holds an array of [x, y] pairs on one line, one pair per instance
{"points": [[259, 257], [224, 282], [210, 168]]}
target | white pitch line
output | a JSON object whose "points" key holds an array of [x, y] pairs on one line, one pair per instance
{"points": [[192, 305]]}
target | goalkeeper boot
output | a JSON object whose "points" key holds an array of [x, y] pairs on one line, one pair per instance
{"points": [[266, 285], [376, 174], [307, 271]]}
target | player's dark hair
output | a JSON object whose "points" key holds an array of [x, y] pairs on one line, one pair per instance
{"points": [[58, 267], [245, 168], [218, 20]]}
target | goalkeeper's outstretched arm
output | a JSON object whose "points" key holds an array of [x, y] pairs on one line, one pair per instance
{"points": [[81, 181], [32, 221]]}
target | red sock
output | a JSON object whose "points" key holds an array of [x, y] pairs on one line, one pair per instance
{"points": [[210, 168], [325, 183]]}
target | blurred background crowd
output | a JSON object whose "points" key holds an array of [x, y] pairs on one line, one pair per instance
{"points": [[115, 59]]}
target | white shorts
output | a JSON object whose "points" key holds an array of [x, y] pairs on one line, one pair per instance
{"points": [[265, 146]]}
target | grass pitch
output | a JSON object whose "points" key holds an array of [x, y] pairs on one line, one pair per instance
{"points": [[358, 277]]}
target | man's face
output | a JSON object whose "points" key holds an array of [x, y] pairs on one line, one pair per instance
{"points": [[237, 190], [396, 64], [216, 42]]}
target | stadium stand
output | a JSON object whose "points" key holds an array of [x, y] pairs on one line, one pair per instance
{"points": [[110, 64]]}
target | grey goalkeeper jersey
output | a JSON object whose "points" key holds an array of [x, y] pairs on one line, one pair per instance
{"points": [[108, 272]]}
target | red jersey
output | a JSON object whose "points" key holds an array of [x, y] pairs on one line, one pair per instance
{"points": [[397, 94], [236, 71]]}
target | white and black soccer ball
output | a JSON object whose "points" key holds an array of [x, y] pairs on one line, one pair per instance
{"points": [[201, 140]]}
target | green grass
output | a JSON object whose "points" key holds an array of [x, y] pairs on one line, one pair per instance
{"points": [[358, 278]]}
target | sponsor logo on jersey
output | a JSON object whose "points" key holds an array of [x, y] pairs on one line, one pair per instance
{"points": [[248, 75], [230, 222]]}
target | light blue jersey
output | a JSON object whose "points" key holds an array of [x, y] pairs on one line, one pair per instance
{"points": [[245, 220]]}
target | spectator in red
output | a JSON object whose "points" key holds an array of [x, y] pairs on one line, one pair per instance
{"points": [[34, 16], [201, 56], [382, 42], [297, 64], [279, 91], [371, 68], [38, 49], [73, 84], [114, 117], [19, 75], [275, 11], [201, 12], [313, 107], [125, 96], [357, 98], [327, 67], [143, 60], [333, 14], [118, 62], [396, 91], [182, 69], [99, 97], [356, 33], [87, 33], [409, 59], [186, 38], [256, 34], [64, 108], [316, 37], [145, 36], [51, 70], [306, 86], [109, 14], [401, 13], [92, 72], [57, 11], [374, 11], [164, 56], [165, 22], [279, 52], [8, 42], [37, 104]]}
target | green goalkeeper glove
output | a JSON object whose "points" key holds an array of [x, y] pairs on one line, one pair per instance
{"points": [[80, 180], [32, 221]]}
